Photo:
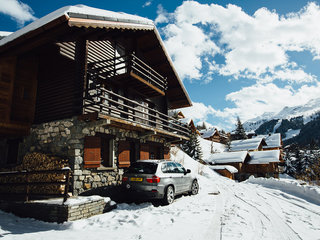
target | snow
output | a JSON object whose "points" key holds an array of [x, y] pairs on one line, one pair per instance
{"points": [[227, 157], [4, 33], [246, 144], [292, 133], [208, 147], [77, 9], [264, 157], [291, 186], [73, 200], [231, 169], [208, 133], [224, 209]]}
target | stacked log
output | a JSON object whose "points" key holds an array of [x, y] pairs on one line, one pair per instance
{"points": [[36, 162]]}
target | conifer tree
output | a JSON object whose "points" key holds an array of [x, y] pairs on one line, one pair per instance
{"points": [[239, 132], [193, 147]]}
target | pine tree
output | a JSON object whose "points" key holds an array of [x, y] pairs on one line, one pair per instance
{"points": [[239, 132], [193, 147]]}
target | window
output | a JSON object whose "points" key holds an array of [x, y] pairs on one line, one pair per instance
{"points": [[107, 154], [179, 168]]}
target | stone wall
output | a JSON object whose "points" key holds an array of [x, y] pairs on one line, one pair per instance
{"points": [[65, 138], [57, 212]]}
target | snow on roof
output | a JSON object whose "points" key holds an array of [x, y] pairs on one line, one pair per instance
{"points": [[245, 144], [77, 11], [227, 157], [185, 120], [208, 133], [273, 140], [264, 157], [231, 169]]}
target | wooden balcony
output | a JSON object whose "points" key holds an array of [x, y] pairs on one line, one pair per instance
{"points": [[130, 71], [131, 114]]}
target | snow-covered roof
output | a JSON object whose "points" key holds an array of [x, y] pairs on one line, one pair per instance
{"points": [[264, 157], [231, 169], [78, 11], [227, 157], [246, 144], [4, 34], [208, 133], [185, 120], [273, 140]]}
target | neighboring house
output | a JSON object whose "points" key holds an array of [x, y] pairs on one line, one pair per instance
{"points": [[176, 114], [254, 144], [92, 86], [225, 170], [273, 141], [190, 123], [235, 159], [214, 135], [263, 163]]}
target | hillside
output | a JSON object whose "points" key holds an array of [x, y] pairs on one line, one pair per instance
{"points": [[298, 124]]}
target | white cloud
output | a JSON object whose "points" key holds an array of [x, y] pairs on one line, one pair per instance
{"points": [[198, 111], [260, 98], [19, 11], [254, 46], [147, 4]]}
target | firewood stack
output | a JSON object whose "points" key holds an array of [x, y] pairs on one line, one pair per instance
{"points": [[36, 162]]}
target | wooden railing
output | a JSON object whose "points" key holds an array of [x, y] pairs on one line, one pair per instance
{"points": [[25, 181], [106, 102], [126, 64]]}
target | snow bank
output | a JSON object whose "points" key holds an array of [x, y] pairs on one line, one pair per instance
{"points": [[293, 187]]}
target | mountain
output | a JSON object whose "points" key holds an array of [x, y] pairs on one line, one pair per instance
{"points": [[298, 124]]}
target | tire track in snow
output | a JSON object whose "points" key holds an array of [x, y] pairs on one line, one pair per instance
{"points": [[286, 231]]}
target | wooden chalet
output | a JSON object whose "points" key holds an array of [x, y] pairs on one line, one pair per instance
{"points": [[189, 122], [214, 135], [253, 144], [92, 86], [227, 171], [263, 163], [234, 159]]}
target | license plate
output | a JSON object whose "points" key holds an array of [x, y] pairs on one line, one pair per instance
{"points": [[134, 179]]}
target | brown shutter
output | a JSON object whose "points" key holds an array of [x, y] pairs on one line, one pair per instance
{"points": [[144, 151], [124, 154], [166, 153], [92, 152]]}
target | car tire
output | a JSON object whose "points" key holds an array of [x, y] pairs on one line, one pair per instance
{"points": [[169, 195], [194, 188]]}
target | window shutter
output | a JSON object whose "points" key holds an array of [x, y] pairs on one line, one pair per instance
{"points": [[144, 151], [124, 154], [92, 152], [166, 153]]}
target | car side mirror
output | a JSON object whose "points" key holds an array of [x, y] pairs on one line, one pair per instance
{"points": [[188, 171]]}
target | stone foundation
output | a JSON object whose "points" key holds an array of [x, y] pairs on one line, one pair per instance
{"points": [[65, 138], [50, 212]]}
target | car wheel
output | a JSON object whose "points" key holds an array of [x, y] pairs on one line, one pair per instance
{"points": [[169, 195], [194, 188]]}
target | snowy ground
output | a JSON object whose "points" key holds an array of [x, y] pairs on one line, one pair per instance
{"points": [[223, 209]]}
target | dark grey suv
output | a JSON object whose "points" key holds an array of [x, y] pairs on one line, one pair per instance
{"points": [[159, 179]]}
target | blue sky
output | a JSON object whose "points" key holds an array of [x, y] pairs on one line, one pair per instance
{"points": [[236, 58]]}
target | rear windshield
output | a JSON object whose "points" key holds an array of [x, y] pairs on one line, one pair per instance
{"points": [[143, 167]]}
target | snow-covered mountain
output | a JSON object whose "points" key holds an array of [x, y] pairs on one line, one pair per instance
{"points": [[290, 121]]}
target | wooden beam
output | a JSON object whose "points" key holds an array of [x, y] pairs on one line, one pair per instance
{"points": [[147, 83]]}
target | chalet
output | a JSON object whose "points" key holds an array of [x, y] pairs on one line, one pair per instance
{"points": [[263, 163], [225, 170], [234, 159], [189, 122], [214, 135], [254, 144], [92, 86]]}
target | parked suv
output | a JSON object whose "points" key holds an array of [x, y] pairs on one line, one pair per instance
{"points": [[159, 179]]}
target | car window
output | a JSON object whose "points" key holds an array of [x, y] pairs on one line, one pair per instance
{"points": [[164, 168], [179, 168], [170, 167], [143, 168]]}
